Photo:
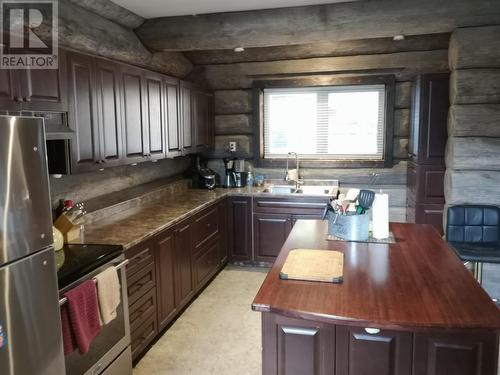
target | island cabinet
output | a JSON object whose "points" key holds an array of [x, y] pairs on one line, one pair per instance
{"points": [[384, 318], [273, 219], [165, 272]]}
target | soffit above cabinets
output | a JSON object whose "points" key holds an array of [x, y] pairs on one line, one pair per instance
{"points": [[170, 8]]}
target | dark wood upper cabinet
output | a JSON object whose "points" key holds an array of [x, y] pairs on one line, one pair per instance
{"points": [[9, 101], [85, 147], [45, 89], [430, 104], [362, 351], [108, 95], [35, 89], [165, 281], [187, 118], [202, 122], [240, 229], [172, 116], [270, 233], [428, 136], [155, 115], [135, 136]]}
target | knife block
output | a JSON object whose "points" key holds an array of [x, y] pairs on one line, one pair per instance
{"points": [[70, 230]]}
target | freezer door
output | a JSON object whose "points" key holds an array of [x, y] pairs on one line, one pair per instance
{"points": [[25, 213], [30, 338]]}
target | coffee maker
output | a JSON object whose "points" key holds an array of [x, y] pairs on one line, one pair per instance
{"points": [[234, 175], [203, 177]]}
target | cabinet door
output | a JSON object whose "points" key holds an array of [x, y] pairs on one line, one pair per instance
{"points": [[222, 207], [10, 98], [297, 347], [134, 127], [457, 354], [430, 214], [109, 111], [85, 147], [240, 229], [183, 256], [155, 116], [187, 120], [45, 89], [270, 233], [200, 120], [430, 119], [206, 264], [165, 278], [174, 129], [361, 351]]}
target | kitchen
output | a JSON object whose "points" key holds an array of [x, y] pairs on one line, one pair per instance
{"points": [[185, 153]]}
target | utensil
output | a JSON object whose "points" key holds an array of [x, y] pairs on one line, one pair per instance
{"points": [[365, 200]]}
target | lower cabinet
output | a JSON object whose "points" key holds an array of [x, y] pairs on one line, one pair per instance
{"points": [[361, 351], [457, 354], [240, 229], [297, 346], [165, 273], [270, 233]]}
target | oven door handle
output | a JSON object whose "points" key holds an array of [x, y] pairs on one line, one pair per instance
{"points": [[122, 264]]}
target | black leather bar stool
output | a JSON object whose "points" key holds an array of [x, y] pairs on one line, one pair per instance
{"points": [[473, 232]]}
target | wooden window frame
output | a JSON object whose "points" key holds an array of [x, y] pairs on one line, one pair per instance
{"points": [[258, 120]]}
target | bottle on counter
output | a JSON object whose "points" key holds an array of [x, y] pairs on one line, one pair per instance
{"points": [[250, 179]]}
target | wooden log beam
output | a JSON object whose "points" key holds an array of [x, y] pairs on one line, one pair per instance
{"points": [[474, 120], [111, 11], [476, 47], [471, 187], [82, 30], [312, 24], [475, 86], [473, 153], [233, 102], [325, 49], [233, 124], [242, 75]]}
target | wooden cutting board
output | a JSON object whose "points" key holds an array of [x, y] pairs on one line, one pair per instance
{"points": [[314, 265]]}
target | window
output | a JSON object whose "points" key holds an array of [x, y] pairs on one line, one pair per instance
{"points": [[325, 123]]}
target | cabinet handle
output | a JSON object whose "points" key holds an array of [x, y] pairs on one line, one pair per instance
{"points": [[372, 331]]}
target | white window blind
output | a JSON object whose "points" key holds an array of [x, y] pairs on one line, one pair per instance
{"points": [[335, 122]]}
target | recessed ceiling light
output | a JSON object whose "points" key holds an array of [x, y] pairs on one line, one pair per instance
{"points": [[239, 49], [398, 37]]}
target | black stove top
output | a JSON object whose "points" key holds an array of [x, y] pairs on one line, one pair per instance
{"points": [[79, 260]]}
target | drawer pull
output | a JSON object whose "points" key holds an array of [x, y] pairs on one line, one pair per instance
{"points": [[372, 331]]}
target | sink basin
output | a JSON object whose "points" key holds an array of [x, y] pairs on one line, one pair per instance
{"points": [[304, 190]]}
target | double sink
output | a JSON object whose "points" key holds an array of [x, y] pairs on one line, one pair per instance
{"points": [[313, 187]]}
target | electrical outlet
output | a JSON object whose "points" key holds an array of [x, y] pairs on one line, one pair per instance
{"points": [[232, 146]]}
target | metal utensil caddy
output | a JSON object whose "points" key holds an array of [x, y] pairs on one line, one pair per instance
{"points": [[349, 227]]}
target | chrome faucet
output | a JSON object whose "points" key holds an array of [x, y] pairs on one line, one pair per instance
{"points": [[287, 177]]}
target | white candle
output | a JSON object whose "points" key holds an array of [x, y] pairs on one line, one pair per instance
{"points": [[380, 216]]}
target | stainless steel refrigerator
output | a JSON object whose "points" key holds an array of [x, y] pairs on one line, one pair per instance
{"points": [[30, 328]]}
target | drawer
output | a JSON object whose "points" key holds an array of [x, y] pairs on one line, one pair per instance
{"points": [[141, 282], [206, 227], [139, 257], [295, 205], [206, 263], [143, 335], [142, 309]]}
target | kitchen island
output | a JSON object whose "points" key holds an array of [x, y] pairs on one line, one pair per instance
{"points": [[409, 308]]}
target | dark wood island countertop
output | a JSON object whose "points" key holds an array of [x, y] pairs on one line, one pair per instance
{"points": [[416, 284]]}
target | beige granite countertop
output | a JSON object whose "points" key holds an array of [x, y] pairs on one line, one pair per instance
{"points": [[144, 217]]}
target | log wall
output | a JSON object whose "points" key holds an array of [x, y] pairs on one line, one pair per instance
{"points": [[473, 149]]}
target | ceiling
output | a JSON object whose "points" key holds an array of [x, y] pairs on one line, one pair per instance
{"points": [[169, 8]]}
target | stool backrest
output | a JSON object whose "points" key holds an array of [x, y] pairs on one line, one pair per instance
{"points": [[473, 223]]}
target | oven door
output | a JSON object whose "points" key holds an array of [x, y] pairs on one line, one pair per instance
{"points": [[114, 337]]}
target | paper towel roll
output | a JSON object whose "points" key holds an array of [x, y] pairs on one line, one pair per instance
{"points": [[380, 216]]}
